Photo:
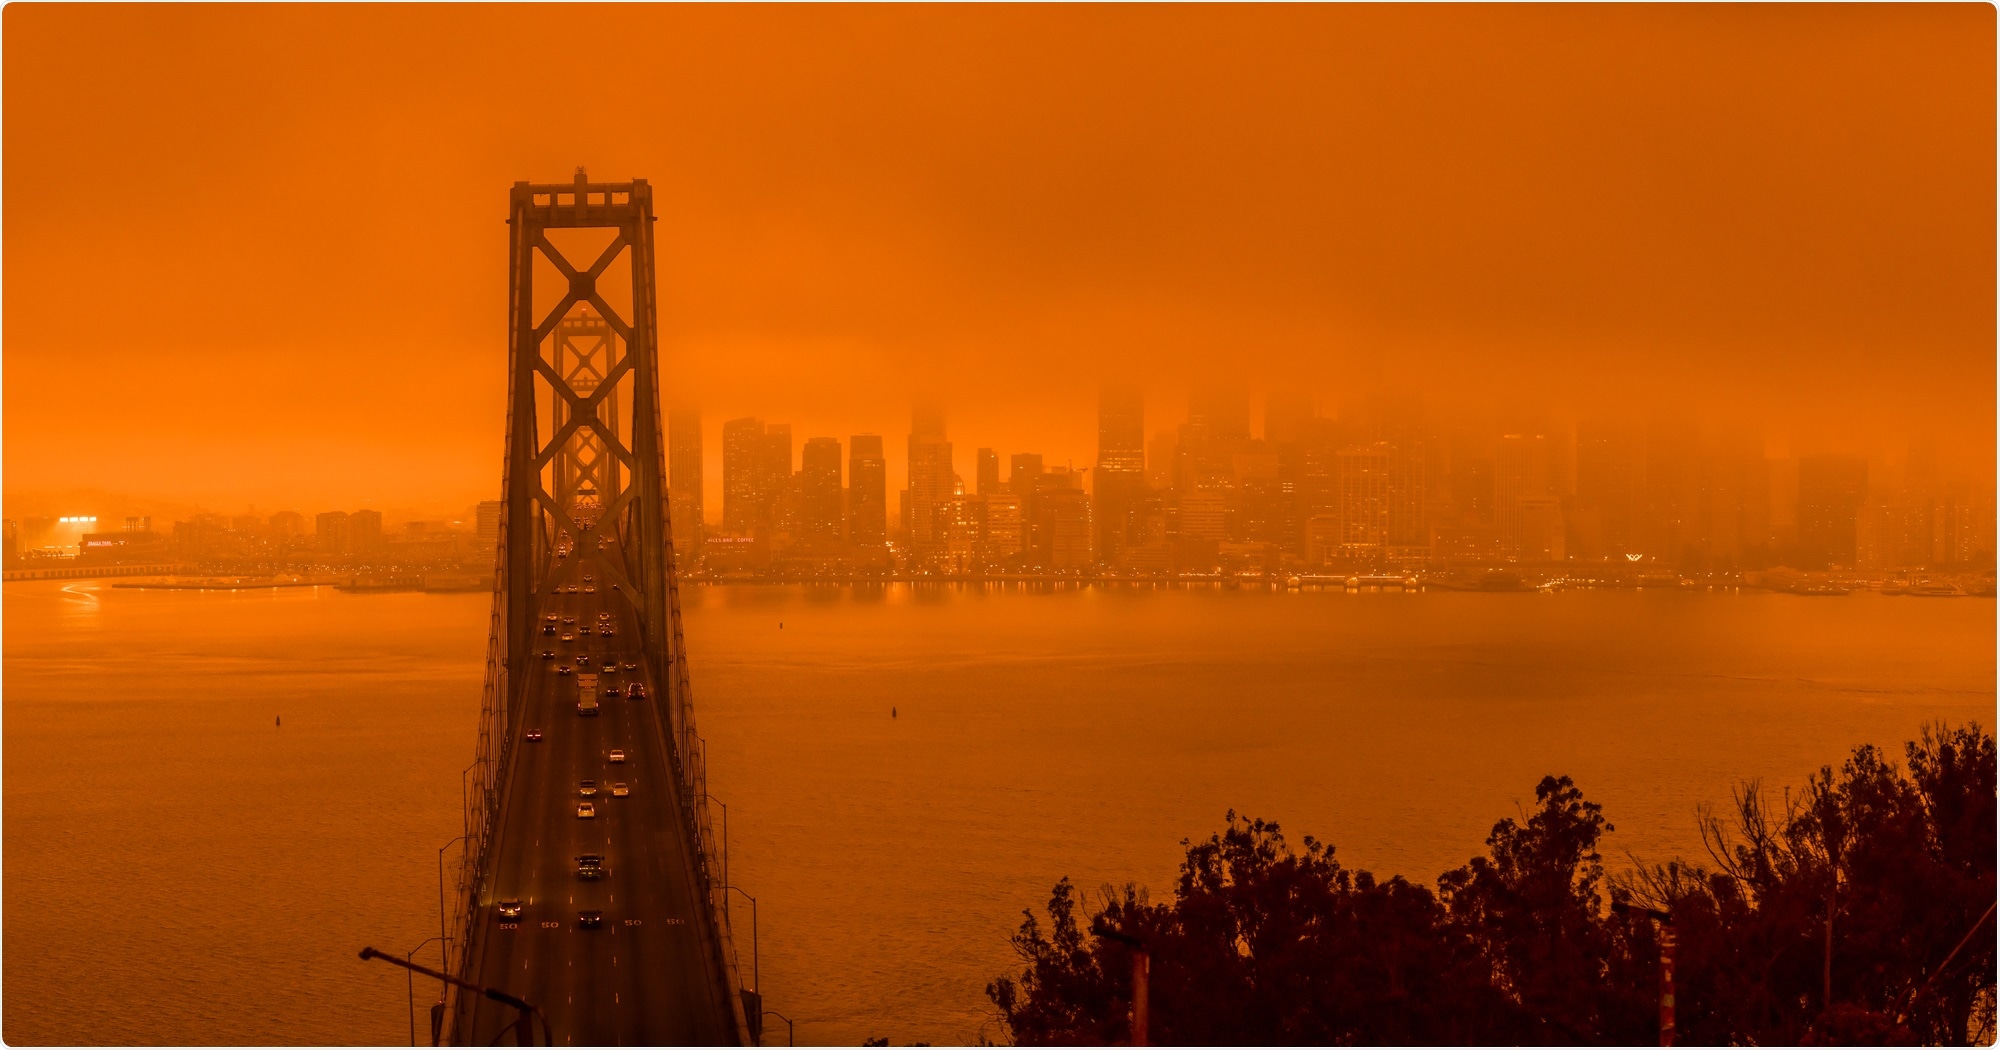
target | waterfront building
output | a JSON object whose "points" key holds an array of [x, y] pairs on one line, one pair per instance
{"points": [[819, 489], [867, 481], [1831, 491]]}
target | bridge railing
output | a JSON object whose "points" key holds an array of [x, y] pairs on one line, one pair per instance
{"points": [[480, 785]]}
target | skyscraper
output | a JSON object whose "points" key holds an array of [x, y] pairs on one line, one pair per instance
{"points": [[1520, 477], [931, 476], [1607, 486], [819, 489], [867, 491], [744, 452], [779, 496], [989, 471], [486, 528], [684, 491], [1831, 490], [364, 531], [331, 533], [1121, 465]]}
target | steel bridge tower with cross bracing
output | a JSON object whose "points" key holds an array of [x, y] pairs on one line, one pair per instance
{"points": [[585, 475]]}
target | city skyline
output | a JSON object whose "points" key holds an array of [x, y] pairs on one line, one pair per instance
{"points": [[1372, 487]]}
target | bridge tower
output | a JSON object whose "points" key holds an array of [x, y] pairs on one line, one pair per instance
{"points": [[585, 473]]}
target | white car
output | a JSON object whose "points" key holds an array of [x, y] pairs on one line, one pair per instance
{"points": [[620, 790], [617, 755], [586, 810]]}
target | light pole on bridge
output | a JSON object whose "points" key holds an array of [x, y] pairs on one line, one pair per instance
{"points": [[524, 1029], [725, 835], [410, 979], [755, 982], [444, 935], [789, 1039]]}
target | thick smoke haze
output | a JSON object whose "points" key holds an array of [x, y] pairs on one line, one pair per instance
{"points": [[257, 255]]}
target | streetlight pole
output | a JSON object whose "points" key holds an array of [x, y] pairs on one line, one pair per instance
{"points": [[725, 834], [755, 982], [1666, 927], [789, 1040], [524, 1029], [444, 935], [1142, 977], [410, 979]]}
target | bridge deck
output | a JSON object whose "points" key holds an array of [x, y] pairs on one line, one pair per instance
{"points": [[646, 976]]}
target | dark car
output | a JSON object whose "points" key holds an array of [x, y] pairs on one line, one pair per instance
{"points": [[548, 654], [637, 690], [510, 908], [612, 691], [590, 919], [548, 628], [534, 736], [562, 668], [590, 866]]}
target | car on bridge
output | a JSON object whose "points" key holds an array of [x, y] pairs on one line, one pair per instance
{"points": [[585, 811], [590, 919], [617, 755], [548, 654], [510, 908], [620, 790], [569, 619], [548, 628], [637, 691], [568, 637], [562, 668], [587, 788], [533, 736], [587, 589], [611, 691], [590, 866]]}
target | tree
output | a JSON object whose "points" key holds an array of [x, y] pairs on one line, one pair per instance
{"points": [[1845, 913]]}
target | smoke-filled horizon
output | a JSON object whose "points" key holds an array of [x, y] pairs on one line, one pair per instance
{"points": [[256, 256]]}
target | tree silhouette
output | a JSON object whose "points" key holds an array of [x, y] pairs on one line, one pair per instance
{"points": [[1262, 944]]}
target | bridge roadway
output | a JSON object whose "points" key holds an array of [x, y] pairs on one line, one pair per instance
{"points": [[645, 976]]}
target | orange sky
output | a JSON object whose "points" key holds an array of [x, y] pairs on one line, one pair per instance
{"points": [[257, 254]]}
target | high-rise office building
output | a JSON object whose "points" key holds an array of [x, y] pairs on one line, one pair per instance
{"points": [[331, 533], [931, 476], [1121, 465], [1003, 534], [364, 531], [780, 495], [744, 455], [819, 489], [486, 522], [1362, 502], [684, 483], [989, 471], [1831, 491], [1024, 468], [867, 491], [1605, 523]]}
